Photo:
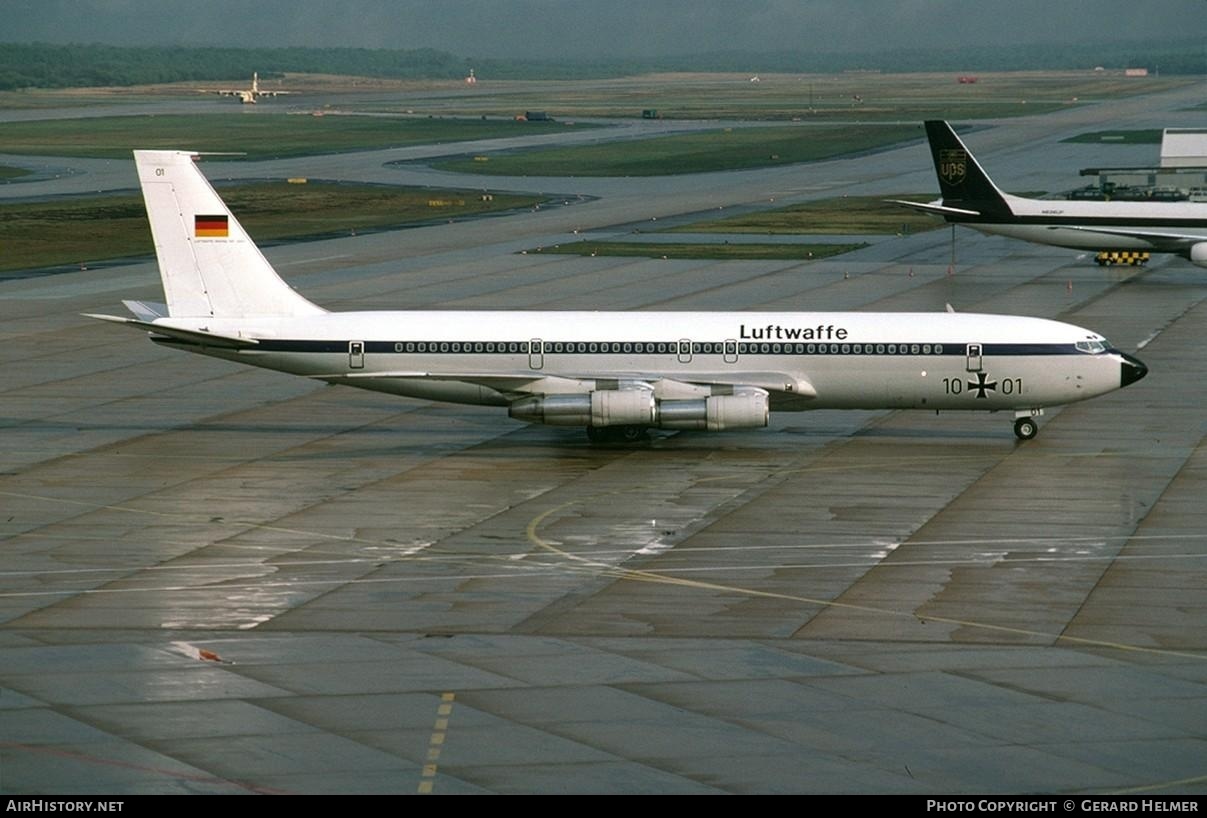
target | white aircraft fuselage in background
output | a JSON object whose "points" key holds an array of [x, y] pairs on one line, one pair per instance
{"points": [[970, 198], [615, 373]]}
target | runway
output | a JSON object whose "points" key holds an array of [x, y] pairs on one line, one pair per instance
{"points": [[225, 580]]}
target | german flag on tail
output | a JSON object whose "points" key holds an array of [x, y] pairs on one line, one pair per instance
{"points": [[210, 227]]}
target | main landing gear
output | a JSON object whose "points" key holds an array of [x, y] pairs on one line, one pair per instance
{"points": [[616, 434], [1025, 426]]}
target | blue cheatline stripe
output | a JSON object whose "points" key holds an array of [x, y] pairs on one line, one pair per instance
{"points": [[718, 348]]}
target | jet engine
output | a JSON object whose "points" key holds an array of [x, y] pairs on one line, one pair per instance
{"points": [[743, 411], [638, 407], [613, 407], [1198, 254]]}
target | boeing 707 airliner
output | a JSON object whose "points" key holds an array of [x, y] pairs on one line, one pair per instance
{"points": [[617, 374]]}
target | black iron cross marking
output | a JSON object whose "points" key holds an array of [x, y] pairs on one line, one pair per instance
{"points": [[982, 385]]}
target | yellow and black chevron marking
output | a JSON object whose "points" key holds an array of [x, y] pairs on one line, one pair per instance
{"points": [[1135, 258]]}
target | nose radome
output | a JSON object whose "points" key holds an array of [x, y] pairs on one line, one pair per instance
{"points": [[1131, 370]]}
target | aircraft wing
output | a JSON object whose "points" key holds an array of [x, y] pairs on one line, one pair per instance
{"points": [[1134, 233], [937, 209], [527, 382], [520, 381]]}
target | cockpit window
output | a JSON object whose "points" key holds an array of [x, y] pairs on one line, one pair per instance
{"points": [[1091, 346]]}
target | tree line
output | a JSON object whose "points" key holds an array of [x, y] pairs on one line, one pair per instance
{"points": [[41, 65]]}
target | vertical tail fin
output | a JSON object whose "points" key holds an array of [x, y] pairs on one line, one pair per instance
{"points": [[209, 265], [962, 181]]}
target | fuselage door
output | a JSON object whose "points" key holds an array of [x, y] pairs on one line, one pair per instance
{"points": [[731, 351], [974, 357], [536, 353], [356, 354], [685, 351]]}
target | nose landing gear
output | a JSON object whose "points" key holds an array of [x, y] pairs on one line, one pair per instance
{"points": [[1025, 425], [1025, 428]]}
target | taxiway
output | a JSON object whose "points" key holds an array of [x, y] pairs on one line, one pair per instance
{"points": [[222, 580]]}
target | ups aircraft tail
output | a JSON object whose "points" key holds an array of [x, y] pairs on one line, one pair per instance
{"points": [[969, 195], [209, 265]]}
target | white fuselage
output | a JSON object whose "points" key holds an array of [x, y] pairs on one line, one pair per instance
{"points": [[1171, 227], [803, 360]]}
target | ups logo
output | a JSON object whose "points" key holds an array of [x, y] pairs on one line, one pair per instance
{"points": [[953, 163]]}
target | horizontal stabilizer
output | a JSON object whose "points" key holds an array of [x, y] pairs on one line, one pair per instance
{"points": [[147, 310], [935, 208], [192, 336]]}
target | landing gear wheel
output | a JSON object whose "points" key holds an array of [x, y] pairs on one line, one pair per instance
{"points": [[616, 434], [629, 434], [1025, 428]]}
